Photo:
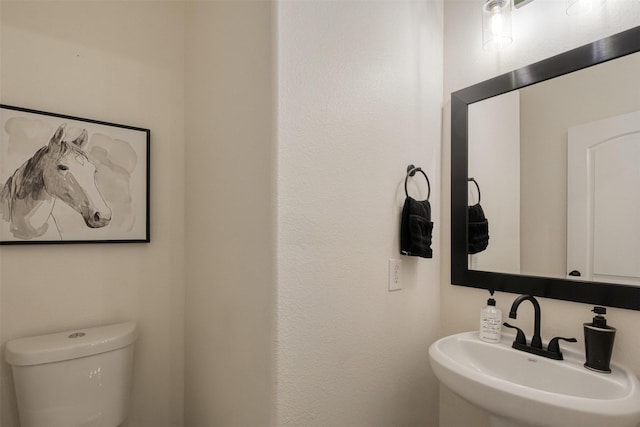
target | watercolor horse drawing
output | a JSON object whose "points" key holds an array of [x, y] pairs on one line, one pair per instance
{"points": [[59, 170]]}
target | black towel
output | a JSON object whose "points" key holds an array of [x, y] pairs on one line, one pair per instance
{"points": [[416, 228], [478, 229]]}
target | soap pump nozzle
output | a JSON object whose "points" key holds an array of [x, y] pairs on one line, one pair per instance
{"points": [[491, 301], [599, 320]]}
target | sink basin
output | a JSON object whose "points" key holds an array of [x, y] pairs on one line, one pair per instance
{"points": [[522, 389]]}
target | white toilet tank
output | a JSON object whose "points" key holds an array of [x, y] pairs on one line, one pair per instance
{"points": [[77, 378]]}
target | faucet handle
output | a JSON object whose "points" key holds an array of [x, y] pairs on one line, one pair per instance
{"points": [[520, 338], [554, 346]]}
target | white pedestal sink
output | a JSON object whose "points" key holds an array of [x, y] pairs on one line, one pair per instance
{"points": [[522, 389]]}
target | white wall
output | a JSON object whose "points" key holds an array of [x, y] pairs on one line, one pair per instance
{"points": [[230, 214], [120, 62], [359, 90], [541, 29]]}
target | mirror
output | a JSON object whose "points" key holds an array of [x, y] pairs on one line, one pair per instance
{"points": [[534, 225], [526, 152]]}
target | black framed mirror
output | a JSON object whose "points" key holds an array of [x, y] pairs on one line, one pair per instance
{"points": [[593, 291]]}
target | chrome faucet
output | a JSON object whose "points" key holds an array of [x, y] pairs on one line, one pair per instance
{"points": [[520, 343]]}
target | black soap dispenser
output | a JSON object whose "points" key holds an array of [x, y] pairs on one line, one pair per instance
{"points": [[598, 342]]}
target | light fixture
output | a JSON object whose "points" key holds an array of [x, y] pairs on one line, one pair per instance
{"points": [[496, 24], [582, 7]]}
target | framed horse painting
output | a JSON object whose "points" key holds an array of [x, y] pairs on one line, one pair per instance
{"points": [[66, 179]]}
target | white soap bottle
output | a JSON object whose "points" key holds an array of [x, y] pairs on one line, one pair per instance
{"points": [[491, 322]]}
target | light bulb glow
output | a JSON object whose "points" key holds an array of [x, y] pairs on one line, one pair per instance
{"points": [[496, 24]]}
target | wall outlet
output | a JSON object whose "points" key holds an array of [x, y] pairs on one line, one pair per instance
{"points": [[395, 272]]}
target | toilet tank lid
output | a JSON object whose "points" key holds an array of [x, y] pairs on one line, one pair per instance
{"points": [[69, 344]]}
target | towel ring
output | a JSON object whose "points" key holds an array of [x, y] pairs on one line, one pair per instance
{"points": [[477, 186], [411, 171]]}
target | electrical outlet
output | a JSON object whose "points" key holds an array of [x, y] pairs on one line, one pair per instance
{"points": [[395, 272]]}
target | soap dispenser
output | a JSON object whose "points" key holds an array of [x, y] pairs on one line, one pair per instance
{"points": [[598, 342], [491, 322]]}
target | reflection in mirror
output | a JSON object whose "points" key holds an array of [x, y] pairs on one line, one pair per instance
{"points": [[555, 147], [523, 166], [603, 231]]}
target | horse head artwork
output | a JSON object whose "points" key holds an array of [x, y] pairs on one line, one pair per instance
{"points": [[59, 170]]}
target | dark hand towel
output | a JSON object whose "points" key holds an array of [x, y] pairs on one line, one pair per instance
{"points": [[416, 228], [478, 229]]}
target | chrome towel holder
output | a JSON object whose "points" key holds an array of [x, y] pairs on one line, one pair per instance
{"points": [[411, 171]]}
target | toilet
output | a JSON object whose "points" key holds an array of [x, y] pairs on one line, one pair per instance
{"points": [[77, 378]]}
